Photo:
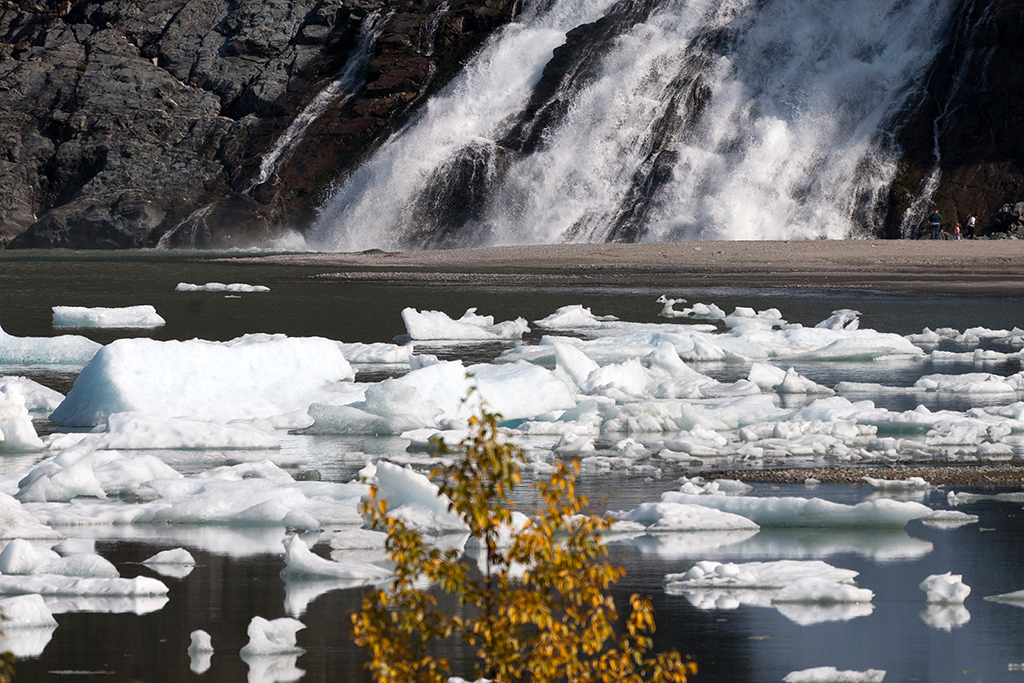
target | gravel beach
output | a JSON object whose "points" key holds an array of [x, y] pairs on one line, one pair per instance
{"points": [[941, 266]]}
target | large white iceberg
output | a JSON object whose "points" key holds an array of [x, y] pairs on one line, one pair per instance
{"points": [[681, 517], [127, 317], [250, 377], [829, 674]]}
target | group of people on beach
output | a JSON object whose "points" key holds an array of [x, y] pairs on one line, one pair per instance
{"points": [[935, 220]]}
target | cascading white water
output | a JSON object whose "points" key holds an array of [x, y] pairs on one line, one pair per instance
{"points": [[773, 113]]}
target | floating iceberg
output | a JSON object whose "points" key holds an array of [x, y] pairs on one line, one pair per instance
{"points": [[56, 585], [809, 512], [437, 326], [35, 397], [945, 589], [175, 556], [302, 563], [17, 433], [572, 317], [22, 558], [656, 517], [249, 377], [128, 317], [25, 611], [829, 674], [234, 288], [756, 575], [200, 651], [141, 431], [63, 350], [273, 637], [414, 499]]}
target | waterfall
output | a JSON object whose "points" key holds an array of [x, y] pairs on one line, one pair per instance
{"points": [[629, 120], [350, 79]]}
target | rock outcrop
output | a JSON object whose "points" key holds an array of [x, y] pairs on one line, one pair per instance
{"points": [[969, 124], [124, 122]]}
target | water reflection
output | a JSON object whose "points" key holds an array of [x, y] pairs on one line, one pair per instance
{"points": [[945, 617], [26, 643]]}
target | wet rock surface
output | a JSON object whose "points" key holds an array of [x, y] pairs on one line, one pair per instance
{"points": [[125, 121]]}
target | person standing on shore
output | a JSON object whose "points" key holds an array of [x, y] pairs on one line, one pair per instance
{"points": [[935, 219], [970, 226], [956, 231]]}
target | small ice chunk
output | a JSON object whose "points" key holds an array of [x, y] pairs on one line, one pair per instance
{"points": [[272, 637], [1015, 598], [910, 484], [301, 563], [572, 317], [235, 287], [829, 674], [843, 319], [128, 317], [436, 325], [22, 558], [36, 397], [200, 651], [949, 519], [377, 353], [415, 500], [25, 611], [17, 433], [678, 517], [175, 556], [945, 589]]}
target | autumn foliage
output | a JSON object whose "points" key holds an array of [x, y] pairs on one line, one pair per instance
{"points": [[539, 609]]}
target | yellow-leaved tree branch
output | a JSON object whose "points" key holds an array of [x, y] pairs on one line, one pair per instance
{"points": [[540, 609]]}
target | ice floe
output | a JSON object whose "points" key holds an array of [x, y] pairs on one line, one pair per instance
{"points": [[302, 563], [144, 316], [63, 350], [250, 377], [437, 326], [809, 512], [829, 674], [235, 287], [200, 651], [272, 637], [681, 517]]}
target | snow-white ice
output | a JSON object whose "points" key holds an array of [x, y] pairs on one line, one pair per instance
{"points": [[438, 326], [128, 317], [62, 350], [302, 563], [945, 589], [829, 674], [236, 287], [249, 377], [272, 637], [809, 512], [200, 651]]}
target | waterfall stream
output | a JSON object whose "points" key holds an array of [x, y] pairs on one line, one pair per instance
{"points": [[596, 120]]}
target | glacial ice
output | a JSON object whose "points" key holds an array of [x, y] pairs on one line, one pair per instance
{"points": [[809, 512], [17, 433], [35, 397], [21, 558], [756, 575], [437, 326], [414, 499], [572, 317], [128, 317], [236, 287], [656, 517], [141, 431], [829, 674], [200, 651], [945, 589], [175, 556], [250, 377], [25, 611], [272, 637], [63, 350], [66, 586], [302, 563]]}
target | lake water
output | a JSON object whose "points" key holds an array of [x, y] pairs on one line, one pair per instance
{"points": [[237, 576]]}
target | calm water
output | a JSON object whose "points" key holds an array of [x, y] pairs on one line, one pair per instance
{"points": [[237, 576]]}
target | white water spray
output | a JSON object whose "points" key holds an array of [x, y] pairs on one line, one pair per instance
{"points": [[757, 120]]}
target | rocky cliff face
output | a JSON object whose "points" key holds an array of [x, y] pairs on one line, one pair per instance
{"points": [[968, 125], [127, 123], [124, 122]]}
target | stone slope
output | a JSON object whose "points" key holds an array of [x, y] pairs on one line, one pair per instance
{"points": [[123, 121]]}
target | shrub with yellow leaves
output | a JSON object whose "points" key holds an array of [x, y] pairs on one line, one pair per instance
{"points": [[538, 610]]}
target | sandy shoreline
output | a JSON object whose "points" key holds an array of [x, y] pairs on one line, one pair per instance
{"points": [[983, 266]]}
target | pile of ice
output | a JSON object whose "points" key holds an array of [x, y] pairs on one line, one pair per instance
{"points": [[17, 433], [127, 317], [572, 317], [437, 326], [234, 288], [945, 589], [255, 376], [272, 637], [63, 350]]}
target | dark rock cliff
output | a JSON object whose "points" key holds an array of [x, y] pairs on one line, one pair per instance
{"points": [[126, 121], [969, 124]]}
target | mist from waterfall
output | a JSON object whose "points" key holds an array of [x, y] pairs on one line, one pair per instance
{"points": [[679, 120]]}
